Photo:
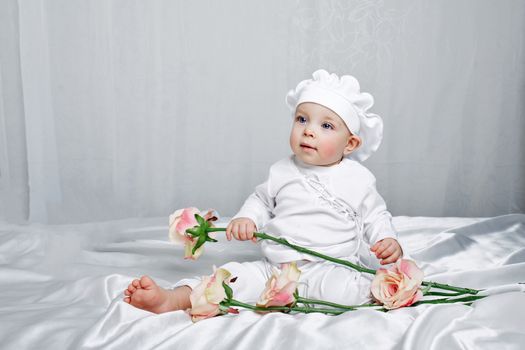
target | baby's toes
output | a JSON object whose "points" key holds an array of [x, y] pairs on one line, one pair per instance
{"points": [[136, 284], [127, 293], [147, 283], [127, 300], [132, 287]]}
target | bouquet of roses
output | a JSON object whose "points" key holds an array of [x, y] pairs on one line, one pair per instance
{"points": [[399, 286]]}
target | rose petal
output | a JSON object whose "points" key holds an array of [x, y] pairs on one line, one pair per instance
{"points": [[187, 220], [409, 268], [280, 287], [289, 272], [207, 295], [179, 221], [284, 296], [397, 286], [211, 215], [173, 221], [215, 291]]}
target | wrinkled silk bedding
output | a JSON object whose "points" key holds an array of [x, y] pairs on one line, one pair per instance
{"points": [[62, 289]]}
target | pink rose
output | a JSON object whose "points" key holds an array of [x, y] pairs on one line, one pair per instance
{"points": [[206, 297], [280, 287], [399, 285], [180, 221]]}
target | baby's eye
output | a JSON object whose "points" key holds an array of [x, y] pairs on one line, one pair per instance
{"points": [[327, 126], [301, 119]]}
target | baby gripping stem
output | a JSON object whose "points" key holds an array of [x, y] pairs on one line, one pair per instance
{"points": [[262, 235]]}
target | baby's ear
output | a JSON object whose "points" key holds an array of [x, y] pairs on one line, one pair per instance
{"points": [[354, 142]]}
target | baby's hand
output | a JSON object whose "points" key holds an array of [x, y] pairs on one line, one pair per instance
{"points": [[242, 229], [388, 250]]}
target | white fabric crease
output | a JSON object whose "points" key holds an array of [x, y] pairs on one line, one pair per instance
{"points": [[63, 288]]}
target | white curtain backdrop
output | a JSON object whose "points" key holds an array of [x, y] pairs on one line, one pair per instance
{"points": [[115, 108]]}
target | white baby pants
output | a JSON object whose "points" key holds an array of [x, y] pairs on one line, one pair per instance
{"points": [[319, 280]]}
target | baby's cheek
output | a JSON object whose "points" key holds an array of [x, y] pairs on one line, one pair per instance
{"points": [[329, 150]]}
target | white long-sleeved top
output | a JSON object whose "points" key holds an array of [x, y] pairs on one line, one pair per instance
{"points": [[326, 209]]}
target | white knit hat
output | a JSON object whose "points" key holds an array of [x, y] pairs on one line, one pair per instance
{"points": [[343, 96]]}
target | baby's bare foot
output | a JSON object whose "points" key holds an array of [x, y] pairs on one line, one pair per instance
{"points": [[145, 294]]}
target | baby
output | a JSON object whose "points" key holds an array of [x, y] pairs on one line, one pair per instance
{"points": [[321, 198]]}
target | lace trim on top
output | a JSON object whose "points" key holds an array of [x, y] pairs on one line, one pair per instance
{"points": [[342, 208], [338, 205]]}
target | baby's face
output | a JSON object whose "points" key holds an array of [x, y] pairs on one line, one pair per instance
{"points": [[319, 136]]}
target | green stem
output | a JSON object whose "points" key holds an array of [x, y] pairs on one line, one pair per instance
{"points": [[449, 287], [469, 298], [443, 294], [300, 249], [326, 303], [337, 306], [367, 305], [262, 235], [305, 310], [309, 310], [234, 302]]}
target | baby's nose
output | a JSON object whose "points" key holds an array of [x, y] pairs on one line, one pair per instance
{"points": [[308, 132]]}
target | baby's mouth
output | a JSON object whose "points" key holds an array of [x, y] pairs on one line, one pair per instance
{"points": [[307, 146]]}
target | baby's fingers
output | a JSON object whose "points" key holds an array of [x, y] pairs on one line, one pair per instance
{"points": [[390, 249], [375, 246], [392, 258], [250, 229], [235, 230], [382, 248], [243, 231], [229, 232]]}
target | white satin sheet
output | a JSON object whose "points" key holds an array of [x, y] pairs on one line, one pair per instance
{"points": [[62, 289]]}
